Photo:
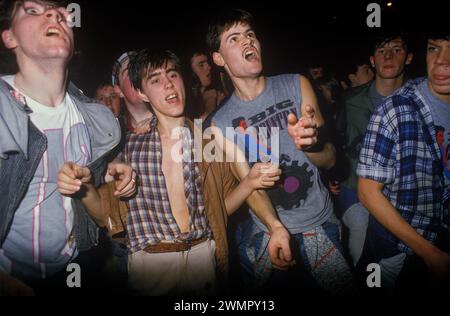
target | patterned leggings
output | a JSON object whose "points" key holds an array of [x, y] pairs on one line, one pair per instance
{"points": [[320, 267]]}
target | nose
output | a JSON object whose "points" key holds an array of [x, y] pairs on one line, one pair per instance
{"points": [[388, 54], [169, 83], [443, 57], [54, 15], [248, 40]]}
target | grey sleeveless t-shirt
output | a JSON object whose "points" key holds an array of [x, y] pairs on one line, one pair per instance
{"points": [[301, 199]]}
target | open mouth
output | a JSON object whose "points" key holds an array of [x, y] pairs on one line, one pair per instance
{"points": [[53, 31], [250, 55], [172, 97]]}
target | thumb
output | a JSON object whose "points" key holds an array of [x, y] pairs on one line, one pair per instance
{"points": [[309, 111], [112, 171], [292, 119], [78, 172], [69, 169]]}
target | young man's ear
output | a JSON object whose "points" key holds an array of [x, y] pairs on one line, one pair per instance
{"points": [[218, 59], [142, 96], [8, 39], [372, 61], [409, 58], [118, 91]]}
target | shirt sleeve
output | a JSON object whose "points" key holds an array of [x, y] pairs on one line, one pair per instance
{"points": [[379, 149]]}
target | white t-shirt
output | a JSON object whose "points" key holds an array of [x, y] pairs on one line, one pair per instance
{"points": [[38, 243]]}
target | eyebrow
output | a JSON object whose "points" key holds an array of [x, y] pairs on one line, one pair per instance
{"points": [[157, 73], [238, 33], [433, 42]]}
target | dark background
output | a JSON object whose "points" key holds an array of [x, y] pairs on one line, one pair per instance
{"points": [[292, 33]]}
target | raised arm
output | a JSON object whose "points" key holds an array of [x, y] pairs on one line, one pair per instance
{"points": [[305, 132]]}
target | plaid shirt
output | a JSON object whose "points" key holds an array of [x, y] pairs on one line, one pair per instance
{"points": [[400, 150], [151, 220]]}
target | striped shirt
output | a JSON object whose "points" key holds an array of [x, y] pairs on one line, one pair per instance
{"points": [[39, 242], [151, 220], [400, 150]]}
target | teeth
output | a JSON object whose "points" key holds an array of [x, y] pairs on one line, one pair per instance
{"points": [[52, 31], [248, 54], [171, 97]]}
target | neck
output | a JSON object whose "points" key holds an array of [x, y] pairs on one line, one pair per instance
{"points": [[44, 82], [167, 124], [386, 87], [138, 112], [250, 88]]}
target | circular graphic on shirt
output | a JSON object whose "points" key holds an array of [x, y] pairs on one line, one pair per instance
{"points": [[293, 187]]}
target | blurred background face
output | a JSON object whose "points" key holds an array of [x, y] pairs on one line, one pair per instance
{"points": [[389, 59], [438, 67], [126, 89], [202, 69], [107, 96], [316, 72], [363, 75]]}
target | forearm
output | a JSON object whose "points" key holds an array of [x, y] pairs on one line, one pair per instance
{"points": [[238, 196], [379, 206], [326, 159], [261, 205], [91, 200]]}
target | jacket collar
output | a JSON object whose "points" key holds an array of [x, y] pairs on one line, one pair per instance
{"points": [[14, 123], [14, 119]]}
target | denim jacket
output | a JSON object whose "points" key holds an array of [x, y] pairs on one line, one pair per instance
{"points": [[22, 146]]}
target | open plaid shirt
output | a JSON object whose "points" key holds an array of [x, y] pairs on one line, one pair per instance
{"points": [[151, 220], [400, 150]]}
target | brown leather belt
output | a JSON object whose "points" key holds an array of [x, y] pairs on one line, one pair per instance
{"points": [[174, 246]]}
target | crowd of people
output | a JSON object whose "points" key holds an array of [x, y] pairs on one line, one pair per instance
{"points": [[360, 173]]}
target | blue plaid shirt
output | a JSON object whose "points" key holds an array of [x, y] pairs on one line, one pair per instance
{"points": [[400, 150]]}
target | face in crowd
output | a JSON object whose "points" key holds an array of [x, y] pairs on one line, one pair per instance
{"points": [[39, 31], [389, 59], [202, 69], [363, 75], [438, 67], [239, 52], [163, 88], [107, 96], [125, 89]]}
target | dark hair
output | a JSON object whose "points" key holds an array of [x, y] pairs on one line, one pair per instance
{"points": [[195, 102], [146, 61], [438, 35], [351, 66], [315, 63], [332, 84], [103, 84], [193, 80], [8, 9], [223, 23], [385, 37]]}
